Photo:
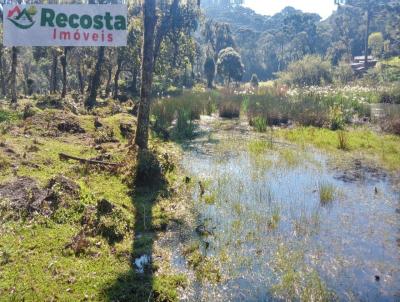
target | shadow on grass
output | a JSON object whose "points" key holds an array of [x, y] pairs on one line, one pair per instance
{"points": [[138, 283]]}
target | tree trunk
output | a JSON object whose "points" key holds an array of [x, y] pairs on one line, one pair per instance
{"points": [[108, 85], [53, 77], [116, 79], [2, 77], [80, 79], [64, 72], [13, 76], [366, 37], [150, 19], [95, 79], [133, 87]]}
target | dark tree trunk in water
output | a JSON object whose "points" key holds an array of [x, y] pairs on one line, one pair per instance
{"points": [[53, 77], [108, 85], [95, 80], [63, 60], [116, 79], [13, 76], [150, 19]]}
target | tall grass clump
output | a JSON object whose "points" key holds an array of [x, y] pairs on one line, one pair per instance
{"points": [[310, 109], [185, 128], [326, 193], [343, 140], [167, 110], [260, 124], [271, 106], [229, 104]]}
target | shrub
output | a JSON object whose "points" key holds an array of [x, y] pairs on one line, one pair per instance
{"points": [[230, 65], [209, 70], [337, 118], [311, 70], [343, 73], [254, 81], [391, 97], [29, 111]]}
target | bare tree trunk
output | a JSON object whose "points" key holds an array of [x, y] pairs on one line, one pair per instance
{"points": [[133, 87], [53, 77], [108, 85], [95, 79], [367, 36], [2, 77], [150, 19], [63, 60], [80, 79], [13, 75], [116, 79]]}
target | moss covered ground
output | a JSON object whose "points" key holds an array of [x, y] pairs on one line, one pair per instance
{"points": [[78, 253]]}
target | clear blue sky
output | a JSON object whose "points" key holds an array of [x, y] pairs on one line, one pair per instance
{"points": [[269, 7]]}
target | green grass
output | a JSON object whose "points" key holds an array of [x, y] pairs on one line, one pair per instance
{"points": [[394, 61], [34, 264], [258, 146], [383, 148], [9, 116]]}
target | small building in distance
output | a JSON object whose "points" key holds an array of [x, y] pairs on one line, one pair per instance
{"points": [[358, 63]]}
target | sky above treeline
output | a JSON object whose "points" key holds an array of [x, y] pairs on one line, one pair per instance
{"points": [[270, 7]]}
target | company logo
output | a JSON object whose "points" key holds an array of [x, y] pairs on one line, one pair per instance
{"points": [[22, 19]]}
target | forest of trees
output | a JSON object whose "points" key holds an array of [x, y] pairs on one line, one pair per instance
{"points": [[268, 44], [184, 41]]}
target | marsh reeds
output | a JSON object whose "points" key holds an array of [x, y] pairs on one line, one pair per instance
{"points": [[343, 140]]}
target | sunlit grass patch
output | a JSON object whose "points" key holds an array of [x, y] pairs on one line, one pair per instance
{"points": [[258, 146], [290, 158], [296, 281], [8, 115], [210, 198], [382, 147]]}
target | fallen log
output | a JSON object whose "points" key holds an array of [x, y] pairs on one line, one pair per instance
{"points": [[64, 156]]}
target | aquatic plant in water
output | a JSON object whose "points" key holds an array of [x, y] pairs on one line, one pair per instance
{"points": [[326, 193]]}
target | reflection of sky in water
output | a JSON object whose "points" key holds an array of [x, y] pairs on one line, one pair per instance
{"points": [[349, 241]]}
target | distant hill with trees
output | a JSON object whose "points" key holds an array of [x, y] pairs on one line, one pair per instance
{"points": [[268, 44]]}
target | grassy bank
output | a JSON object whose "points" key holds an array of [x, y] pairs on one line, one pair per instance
{"points": [[383, 148], [81, 242]]}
